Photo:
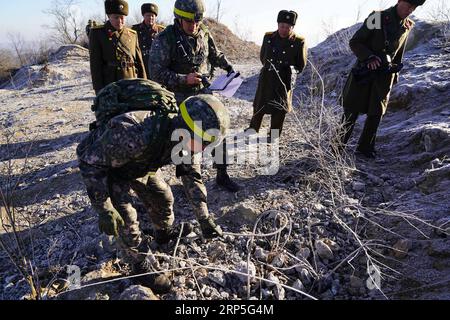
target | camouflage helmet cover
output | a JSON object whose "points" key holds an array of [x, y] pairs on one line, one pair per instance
{"points": [[192, 10], [210, 112]]}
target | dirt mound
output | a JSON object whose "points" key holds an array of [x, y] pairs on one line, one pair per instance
{"points": [[235, 48], [69, 52]]}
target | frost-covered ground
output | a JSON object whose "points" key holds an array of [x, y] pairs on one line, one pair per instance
{"points": [[45, 112]]}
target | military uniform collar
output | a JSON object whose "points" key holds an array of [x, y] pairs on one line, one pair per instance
{"points": [[112, 30], [291, 37], [393, 16], [180, 29], [153, 27]]}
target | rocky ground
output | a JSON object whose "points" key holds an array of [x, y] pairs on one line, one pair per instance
{"points": [[320, 222]]}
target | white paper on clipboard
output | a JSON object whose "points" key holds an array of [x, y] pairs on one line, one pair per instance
{"points": [[226, 86]]}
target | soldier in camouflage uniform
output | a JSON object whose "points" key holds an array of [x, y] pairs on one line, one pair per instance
{"points": [[114, 49], [378, 50], [126, 154], [281, 52], [148, 30], [180, 55]]}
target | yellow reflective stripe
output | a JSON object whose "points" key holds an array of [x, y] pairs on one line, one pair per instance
{"points": [[184, 14], [190, 122]]}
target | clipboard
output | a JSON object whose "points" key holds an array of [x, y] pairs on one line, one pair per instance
{"points": [[227, 85]]}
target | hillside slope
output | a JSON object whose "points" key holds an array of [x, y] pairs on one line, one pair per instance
{"points": [[316, 219]]}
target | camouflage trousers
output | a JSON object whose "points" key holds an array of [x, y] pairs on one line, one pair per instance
{"points": [[108, 192]]}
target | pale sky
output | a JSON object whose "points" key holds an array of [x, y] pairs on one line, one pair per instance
{"points": [[249, 19]]}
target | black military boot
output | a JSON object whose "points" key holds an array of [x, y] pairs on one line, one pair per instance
{"points": [[368, 153], [210, 229], [224, 180], [159, 283], [164, 236]]}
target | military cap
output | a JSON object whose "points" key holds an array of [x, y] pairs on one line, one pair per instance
{"points": [[286, 16], [149, 8], [116, 7], [416, 2]]}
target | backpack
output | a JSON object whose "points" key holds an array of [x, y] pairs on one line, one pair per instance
{"points": [[132, 95]]}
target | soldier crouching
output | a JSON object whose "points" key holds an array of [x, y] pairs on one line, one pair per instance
{"points": [[125, 155]]}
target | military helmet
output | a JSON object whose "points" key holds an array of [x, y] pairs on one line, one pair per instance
{"points": [[207, 111], [191, 10]]}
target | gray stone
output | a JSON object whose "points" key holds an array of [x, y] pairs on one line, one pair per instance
{"points": [[217, 251], [305, 275], [323, 250], [266, 294], [244, 214], [261, 254], [332, 245], [303, 253], [288, 206], [356, 282], [280, 293], [249, 269], [135, 293], [402, 247], [274, 281], [207, 292], [375, 180], [358, 186], [279, 261], [319, 207], [298, 285], [179, 281], [217, 277]]}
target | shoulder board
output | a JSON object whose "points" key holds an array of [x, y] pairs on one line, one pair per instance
{"points": [[99, 26], [132, 31], [300, 38], [269, 33], [160, 26]]}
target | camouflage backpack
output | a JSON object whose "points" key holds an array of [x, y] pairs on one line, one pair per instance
{"points": [[132, 95]]}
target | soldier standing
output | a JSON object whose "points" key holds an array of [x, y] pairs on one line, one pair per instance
{"points": [[118, 156], [91, 24], [283, 55], [180, 56], [114, 49], [147, 30], [380, 51]]}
